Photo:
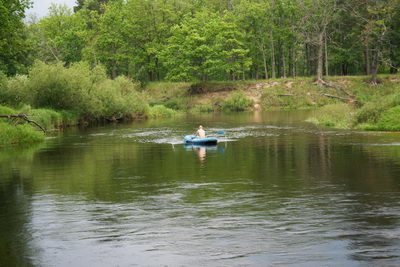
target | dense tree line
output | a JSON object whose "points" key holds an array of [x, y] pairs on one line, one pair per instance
{"points": [[184, 40]]}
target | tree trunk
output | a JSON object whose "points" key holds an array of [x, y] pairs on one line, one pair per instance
{"points": [[326, 57], [294, 60], [306, 71], [320, 56], [264, 59], [272, 54], [367, 60], [374, 67], [283, 62]]}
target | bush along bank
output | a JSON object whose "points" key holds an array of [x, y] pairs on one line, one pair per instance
{"points": [[377, 108], [55, 96]]}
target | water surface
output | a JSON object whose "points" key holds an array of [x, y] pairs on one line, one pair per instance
{"points": [[276, 191]]}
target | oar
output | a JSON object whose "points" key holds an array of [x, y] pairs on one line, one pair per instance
{"points": [[219, 133]]}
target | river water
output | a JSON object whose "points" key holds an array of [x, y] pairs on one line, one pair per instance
{"points": [[276, 191]]}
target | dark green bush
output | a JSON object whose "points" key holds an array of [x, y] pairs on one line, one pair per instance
{"points": [[390, 120], [160, 111], [79, 88], [237, 102], [371, 112], [19, 134], [201, 108]]}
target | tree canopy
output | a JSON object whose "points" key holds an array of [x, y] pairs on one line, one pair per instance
{"points": [[185, 40]]}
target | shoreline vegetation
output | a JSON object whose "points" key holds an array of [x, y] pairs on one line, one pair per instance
{"points": [[120, 60], [55, 97]]}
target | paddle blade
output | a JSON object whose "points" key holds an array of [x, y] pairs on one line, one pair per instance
{"points": [[221, 132]]}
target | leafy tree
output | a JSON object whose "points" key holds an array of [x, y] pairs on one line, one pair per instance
{"points": [[94, 5], [317, 16], [13, 46], [60, 36], [205, 47]]}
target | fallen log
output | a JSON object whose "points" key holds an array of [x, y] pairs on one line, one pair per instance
{"points": [[348, 100], [286, 95], [25, 118], [334, 86]]}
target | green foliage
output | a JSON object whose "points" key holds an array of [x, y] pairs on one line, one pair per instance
{"points": [[205, 46], [118, 98], [60, 36], [15, 91], [335, 115], [390, 120], [7, 111], [303, 95], [19, 134], [46, 118], [202, 108], [160, 111], [371, 112], [53, 85], [13, 46], [85, 90], [177, 103], [237, 102], [69, 117], [78, 89]]}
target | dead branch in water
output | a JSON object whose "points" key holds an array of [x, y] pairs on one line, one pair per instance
{"points": [[25, 118]]}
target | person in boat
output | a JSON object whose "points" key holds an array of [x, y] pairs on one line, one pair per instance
{"points": [[200, 132]]}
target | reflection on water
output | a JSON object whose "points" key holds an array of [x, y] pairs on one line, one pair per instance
{"points": [[274, 191], [201, 150]]}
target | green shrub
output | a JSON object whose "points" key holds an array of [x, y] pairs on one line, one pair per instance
{"points": [[7, 111], [160, 111], [19, 134], [390, 120], [57, 87], [237, 102], [47, 118], [176, 104], [201, 108], [69, 117], [119, 98], [335, 115], [16, 91], [371, 112], [86, 91]]}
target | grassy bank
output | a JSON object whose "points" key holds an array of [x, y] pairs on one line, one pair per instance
{"points": [[55, 96], [343, 102]]}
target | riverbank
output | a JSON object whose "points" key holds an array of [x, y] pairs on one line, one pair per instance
{"points": [[341, 102], [55, 97]]}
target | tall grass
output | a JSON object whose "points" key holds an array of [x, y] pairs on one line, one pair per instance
{"points": [[160, 111], [335, 115], [19, 134], [237, 102], [372, 111]]}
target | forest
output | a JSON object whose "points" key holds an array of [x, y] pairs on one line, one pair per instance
{"points": [[203, 40]]}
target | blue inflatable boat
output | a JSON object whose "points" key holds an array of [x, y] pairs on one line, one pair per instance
{"points": [[193, 139]]}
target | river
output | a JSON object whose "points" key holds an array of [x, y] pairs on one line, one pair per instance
{"points": [[276, 191]]}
